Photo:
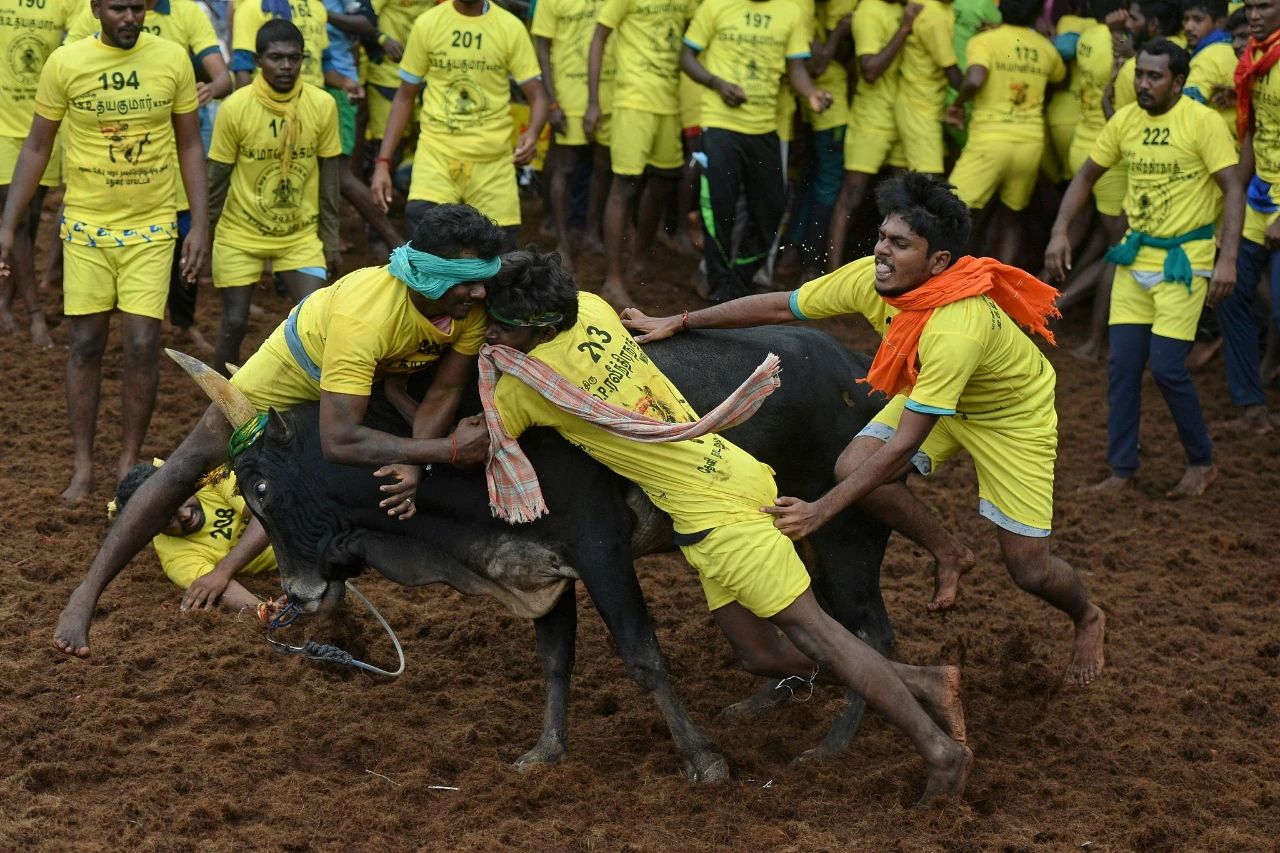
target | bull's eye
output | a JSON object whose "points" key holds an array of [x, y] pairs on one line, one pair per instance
{"points": [[261, 489]]}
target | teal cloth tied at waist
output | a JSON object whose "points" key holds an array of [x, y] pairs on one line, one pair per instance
{"points": [[1177, 266]]}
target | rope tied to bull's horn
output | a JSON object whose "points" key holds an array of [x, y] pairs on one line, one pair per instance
{"points": [[325, 652]]}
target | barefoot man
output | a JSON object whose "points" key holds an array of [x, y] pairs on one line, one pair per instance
{"points": [[754, 581], [1182, 164], [961, 375]]}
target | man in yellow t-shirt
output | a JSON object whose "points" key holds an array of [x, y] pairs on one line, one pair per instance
{"points": [[465, 52], [562, 32], [128, 103], [395, 23], [739, 50], [309, 16], [1182, 175], [1261, 235], [421, 309], [982, 386], [754, 582], [1213, 60], [1063, 110], [880, 29], [928, 67], [1010, 69], [646, 102], [273, 173], [30, 34], [212, 538]]}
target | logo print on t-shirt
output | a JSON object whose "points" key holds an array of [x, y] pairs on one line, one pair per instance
{"points": [[278, 197], [464, 104], [27, 54], [122, 146]]}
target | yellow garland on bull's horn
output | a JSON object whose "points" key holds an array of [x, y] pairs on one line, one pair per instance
{"points": [[230, 400]]}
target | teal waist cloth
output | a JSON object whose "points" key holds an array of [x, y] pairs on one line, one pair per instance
{"points": [[1177, 266]]}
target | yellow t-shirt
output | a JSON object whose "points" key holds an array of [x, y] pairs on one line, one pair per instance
{"points": [[1064, 104], [1266, 126], [466, 63], [309, 16], [1093, 65], [1212, 70], [747, 42], [835, 78], [116, 107], [1171, 160], [263, 209], [570, 24], [701, 483], [874, 24], [29, 32], [928, 50], [364, 326], [974, 360], [1020, 65], [648, 53], [187, 558], [1123, 93], [395, 20]]}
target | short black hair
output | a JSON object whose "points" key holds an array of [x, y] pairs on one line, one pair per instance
{"points": [[1213, 8], [1237, 20], [533, 283], [137, 475], [448, 230], [1099, 9], [1167, 13], [277, 30], [1179, 59], [932, 209], [1021, 13]]}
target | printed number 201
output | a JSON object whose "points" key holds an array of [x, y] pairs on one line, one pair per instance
{"points": [[117, 80], [467, 39]]}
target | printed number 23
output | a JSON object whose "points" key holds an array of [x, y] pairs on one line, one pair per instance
{"points": [[461, 39], [117, 80], [592, 348]]}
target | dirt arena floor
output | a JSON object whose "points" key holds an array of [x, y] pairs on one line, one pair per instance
{"points": [[186, 732]]}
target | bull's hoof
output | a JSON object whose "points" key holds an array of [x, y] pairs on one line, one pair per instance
{"points": [[545, 752], [760, 702], [821, 752], [707, 766]]}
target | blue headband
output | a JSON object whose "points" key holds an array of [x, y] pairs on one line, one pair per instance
{"points": [[432, 275]]}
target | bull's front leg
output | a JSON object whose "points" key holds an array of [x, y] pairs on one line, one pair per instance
{"points": [[610, 578], [556, 635]]}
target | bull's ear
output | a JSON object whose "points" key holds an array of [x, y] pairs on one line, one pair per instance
{"points": [[278, 429]]}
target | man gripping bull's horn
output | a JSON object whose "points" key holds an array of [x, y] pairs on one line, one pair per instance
{"points": [[421, 308]]}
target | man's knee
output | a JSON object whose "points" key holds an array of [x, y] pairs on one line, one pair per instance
{"points": [[87, 341], [141, 337], [1028, 560]]}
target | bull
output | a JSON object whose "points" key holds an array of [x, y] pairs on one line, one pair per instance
{"points": [[325, 525]]}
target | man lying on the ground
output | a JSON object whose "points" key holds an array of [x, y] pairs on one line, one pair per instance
{"points": [[212, 538], [422, 308]]}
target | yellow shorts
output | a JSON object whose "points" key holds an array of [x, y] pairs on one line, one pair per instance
{"points": [[379, 111], [866, 151], [786, 113], [272, 379], [988, 164], [1256, 225], [921, 137], [238, 266], [645, 139], [1170, 309], [749, 562], [577, 136], [1014, 458], [690, 103], [1059, 147], [489, 186], [1109, 191], [134, 279], [11, 147]]}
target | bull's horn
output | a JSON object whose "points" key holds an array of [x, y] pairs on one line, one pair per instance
{"points": [[229, 399]]}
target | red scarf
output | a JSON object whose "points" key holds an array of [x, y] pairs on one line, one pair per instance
{"points": [[1248, 70], [1021, 295]]}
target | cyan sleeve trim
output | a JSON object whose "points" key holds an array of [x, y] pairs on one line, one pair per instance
{"points": [[411, 79], [693, 44], [794, 303], [928, 410]]}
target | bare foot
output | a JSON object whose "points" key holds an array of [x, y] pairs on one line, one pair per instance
{"points": [[1202, 352], [199, 344], [616, 295], [256, 312], [72, 634], [40, 332], [566, 256], [949, 779], [80, 486], [1110, 484], [1254, 420], [1195, 480], [946, 579], [1087, 659], [1089, 351], [941, 701], [8, 322], [693, 227]]}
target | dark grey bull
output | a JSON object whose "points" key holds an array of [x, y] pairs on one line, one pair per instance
{"points": [[324, 522]]}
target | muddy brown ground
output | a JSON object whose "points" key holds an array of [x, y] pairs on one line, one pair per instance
{"points": [[186, 732]]}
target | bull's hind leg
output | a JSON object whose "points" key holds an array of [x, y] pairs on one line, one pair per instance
{"points": [[611, 582], [556, 633]]}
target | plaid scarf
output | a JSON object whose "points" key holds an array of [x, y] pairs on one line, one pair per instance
{"points": [[514, 493], [1248, 70], [1019, 294]]}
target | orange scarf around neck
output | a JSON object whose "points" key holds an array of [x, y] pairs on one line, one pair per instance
{"points": [[1022, 296], [1248, 70]]}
